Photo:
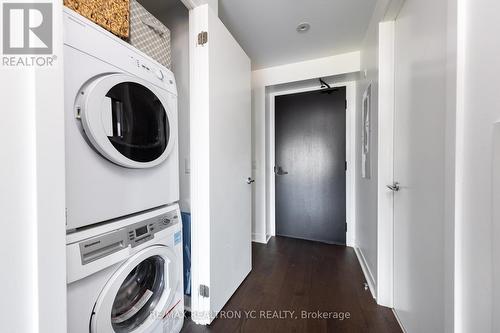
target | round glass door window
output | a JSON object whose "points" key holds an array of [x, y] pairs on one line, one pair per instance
{"points": [[127, 120], [140, 128], [138, 295]]}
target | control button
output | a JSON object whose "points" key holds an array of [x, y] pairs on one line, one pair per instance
{"points": [[159, 74]]}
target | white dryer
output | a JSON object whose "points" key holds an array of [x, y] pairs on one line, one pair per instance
{"points": [[126, 276], [121, 127]]}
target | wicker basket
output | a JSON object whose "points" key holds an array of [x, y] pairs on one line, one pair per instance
{"points": [[112, 15]]}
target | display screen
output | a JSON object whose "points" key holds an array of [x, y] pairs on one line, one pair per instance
{"points": [[141, 231]]}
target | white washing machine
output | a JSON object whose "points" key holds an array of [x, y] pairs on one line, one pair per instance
{"points": [[121, 127], [126, 276]]}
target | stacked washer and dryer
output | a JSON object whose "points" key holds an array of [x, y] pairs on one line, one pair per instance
{"points": [[124, 234]]}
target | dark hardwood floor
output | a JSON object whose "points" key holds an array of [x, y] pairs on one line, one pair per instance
{"points": [[304, 277]]}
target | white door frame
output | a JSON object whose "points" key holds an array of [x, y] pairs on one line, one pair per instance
{"points": [[350, 157], [385, 202], [385, 197]]}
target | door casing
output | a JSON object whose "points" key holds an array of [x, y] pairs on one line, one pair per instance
{"points": [[385, 199]]}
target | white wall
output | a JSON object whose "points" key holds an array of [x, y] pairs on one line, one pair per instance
{"points": [[32, 199], [176, 18], [366, 189], [366, 230], [478, 110], [322, 67]]}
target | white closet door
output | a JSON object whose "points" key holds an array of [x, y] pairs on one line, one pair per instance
{"points": [[220, 164], [419, 165]]}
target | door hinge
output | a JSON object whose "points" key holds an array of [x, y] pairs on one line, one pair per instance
{"points": [[202, 38], [345, 165], [346, 104], [204, 290], [346, 226]]}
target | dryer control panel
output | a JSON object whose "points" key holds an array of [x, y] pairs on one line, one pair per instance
{"points": [[155, 74], [133, 235]]}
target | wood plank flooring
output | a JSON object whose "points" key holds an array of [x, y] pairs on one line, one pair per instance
{"points": [[304, 277]]}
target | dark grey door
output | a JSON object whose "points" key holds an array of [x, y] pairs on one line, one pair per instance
{"points": [[310, 166]]}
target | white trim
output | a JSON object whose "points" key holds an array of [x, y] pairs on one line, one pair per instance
{"points": [[366, 271], [259, 238], [305, 70], [350, 157], [460, 306], [385, 202], [399, 321], [351, 142], [272, 162], [385, 199], [200, 171]]}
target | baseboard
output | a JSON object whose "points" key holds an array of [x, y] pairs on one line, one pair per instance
{"points": [[399, 321], [366, 271], [259, 238]]}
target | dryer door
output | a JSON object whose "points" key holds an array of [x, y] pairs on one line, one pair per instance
{"points": [[127, 120], [137, 295]]}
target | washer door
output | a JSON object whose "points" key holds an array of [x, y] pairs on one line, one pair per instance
{"points": [[136, 296], [126, 120]]}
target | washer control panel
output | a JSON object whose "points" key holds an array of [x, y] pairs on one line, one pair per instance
{"points": [[142, 232], [101, 246]]}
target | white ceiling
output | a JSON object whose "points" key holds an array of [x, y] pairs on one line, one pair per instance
{"points": [[266, 29]]}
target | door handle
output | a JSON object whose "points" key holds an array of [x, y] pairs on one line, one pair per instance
{"points": [[278, 171], [394, 187], [250, 180]]}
